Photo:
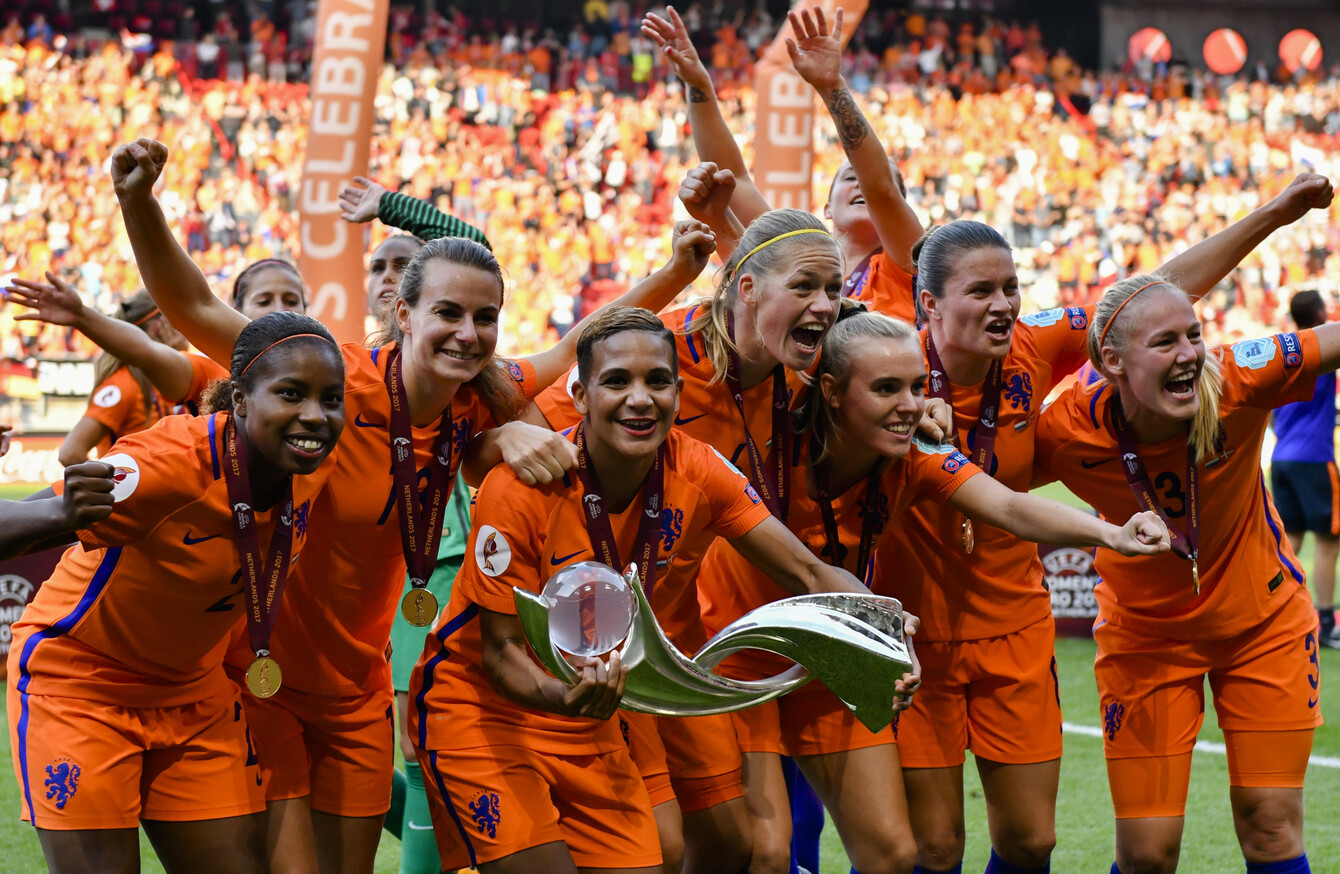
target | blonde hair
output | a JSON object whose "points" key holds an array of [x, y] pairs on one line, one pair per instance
{"points": [[765, 257], [1210, 385], [840, 348]]}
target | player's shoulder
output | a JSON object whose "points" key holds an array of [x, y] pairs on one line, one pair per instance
{"points": [[1261, 353], [364, 366], [178, 455], [119, 386], [689, 344], [1038, 330]]}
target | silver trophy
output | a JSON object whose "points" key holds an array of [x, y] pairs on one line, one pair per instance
{"points": [[853, 643]]}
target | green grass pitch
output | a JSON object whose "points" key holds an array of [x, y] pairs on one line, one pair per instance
{"points": [[1084, 811]]}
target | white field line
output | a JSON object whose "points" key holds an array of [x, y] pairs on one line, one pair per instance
{"points": [[1202, 745]]}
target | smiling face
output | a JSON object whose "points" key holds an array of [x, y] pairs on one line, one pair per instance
{"points": [[794, 306], [1159, 364], [450, 334], [847, 210], [271, 289], [293, 412], [980, 304], [884, 396], [389, 261], [631, 396]]}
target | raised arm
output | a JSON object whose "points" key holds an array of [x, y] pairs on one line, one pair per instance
{"points": [[1042, 521], [172, 278], [372, 201], [515, 675], [692, 246], [816, 54], [56, 302], [706, 193], [45, 519], [711, 135], [1204, 265]]}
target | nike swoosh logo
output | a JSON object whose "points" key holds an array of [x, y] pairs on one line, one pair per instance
{"points": [[1086, 464], [419, 828], [679, 421], [192, 541], [1311, 702], [358, 420], [557, 559]]}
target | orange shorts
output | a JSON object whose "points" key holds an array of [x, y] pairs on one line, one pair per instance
{"points": [[88, 765], [704, 759], [997, 697], [1152, 693], [490, 802], [338, 751], [648, 753], [810, 721]]}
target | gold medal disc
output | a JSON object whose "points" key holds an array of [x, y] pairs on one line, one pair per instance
{"points": [[968, 540], [1195, 576], [419, 607], [264, 677]]}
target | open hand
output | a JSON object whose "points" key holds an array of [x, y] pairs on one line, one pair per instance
{"points": [[672, 37], [55, 301], [360, 204], [816, 51]]}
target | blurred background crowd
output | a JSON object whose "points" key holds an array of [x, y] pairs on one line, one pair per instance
{"points": [[567, 148]]}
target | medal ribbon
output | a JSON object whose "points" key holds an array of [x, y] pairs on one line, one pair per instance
{"points": [[261, 607], [776, 489], [1185, 545], [854, 284], [984, 446], [870, 511], [596, 515], [420, 519]]}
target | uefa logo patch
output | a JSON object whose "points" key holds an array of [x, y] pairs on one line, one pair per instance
{"points": [[126, 473], [493, 553], [108, 396]]}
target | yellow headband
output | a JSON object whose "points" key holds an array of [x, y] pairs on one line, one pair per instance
{"points": [[766, 243]]}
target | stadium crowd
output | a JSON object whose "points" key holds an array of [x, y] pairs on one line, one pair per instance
{"points": [[542, 140]]}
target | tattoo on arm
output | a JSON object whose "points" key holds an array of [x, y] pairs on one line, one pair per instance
{"points": [[851, 124], [697, 95]]}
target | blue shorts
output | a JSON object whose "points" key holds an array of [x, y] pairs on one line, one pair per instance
{"points": [[1307, 496]]}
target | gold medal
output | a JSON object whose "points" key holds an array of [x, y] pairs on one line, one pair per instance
{"points": [[264, 677], [1195, 576], [968, 540], [419, 607]]}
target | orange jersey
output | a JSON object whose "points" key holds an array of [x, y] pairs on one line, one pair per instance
{"points": [[350, 587], [521, 536], [730, 586], [118, 404], [707, 412], [997, 588], [888, 289], [1247, 569], [139, 613]]}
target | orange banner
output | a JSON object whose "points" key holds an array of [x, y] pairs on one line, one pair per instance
{"points": [[784, 125], [350, 39]]}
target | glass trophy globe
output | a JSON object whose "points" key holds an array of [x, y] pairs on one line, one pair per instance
{"points": [[590, 609]]}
